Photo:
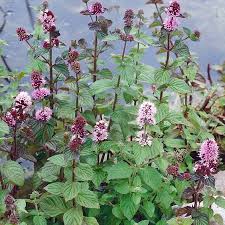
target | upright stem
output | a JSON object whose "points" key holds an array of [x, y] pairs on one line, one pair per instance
{"points": [[95, 56], [51, 81], [74, 178], [14, 153], [77, 94], [118, 85], [167, 61]]}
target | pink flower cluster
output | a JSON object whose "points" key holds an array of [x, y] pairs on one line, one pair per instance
{"points": [[18, 112], [22, 34], [209, 154], [54, 43], [143, 138], [128, 18], [72, 60], [96, 9], [146, 114], [100, 132], [43, 114], [173, 170], [126, 37], [37, 80], [79, 133], [47, 19], [11, 212], [173, 12], [40, 93]]}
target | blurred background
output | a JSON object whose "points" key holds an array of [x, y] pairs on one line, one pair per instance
{"points": [[206, 16]]}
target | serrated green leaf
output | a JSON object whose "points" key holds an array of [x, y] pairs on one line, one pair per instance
{"points": [[39, 220], [84, 172], [70, 190], [13, 171], [179, 86], [101, 86], [73, 216], [55, 188], [87, 199], [120, 170]]}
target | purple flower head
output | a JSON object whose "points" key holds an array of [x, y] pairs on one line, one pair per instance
{"points": [[78, 127], [171, 23], [23, 101], [44, 114], [143, 138], [127, 37], [209, 152], [146, 114], [173, 170], [205, 169], [36, 79], [75, 66], [128, 17], [47, 20], [100, 132], [75, 142], [72, 56], [97, 9], [22, 34], [10, 119], [39, 94], [173, 9]]}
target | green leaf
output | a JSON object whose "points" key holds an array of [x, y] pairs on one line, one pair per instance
{"points": [[87, 199], [151, 177], [84, 172], [73, 216], [13, 171], [90, 221], [220, 201], [128, 207], [52, 205], [120, 170], [39, 220], [101, 86], [179, 86], [219, 219], [174, 143], [200, 218], [70, 191], [58, 160], [180, 221], [220, 130], [21, 205], [4, 129], [54, 188], [156, 149], [190, 72], [162, 76], [149, 208], [62, 69], [181, 49]]}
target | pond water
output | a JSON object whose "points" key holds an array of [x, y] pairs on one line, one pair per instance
{"points": [[207, 16]]}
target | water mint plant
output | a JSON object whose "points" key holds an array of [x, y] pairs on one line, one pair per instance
{"points": [[116, 141]]}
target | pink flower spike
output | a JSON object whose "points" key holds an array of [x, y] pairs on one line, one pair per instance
{"points": [[209, 151], [41, 93], [97, 9], [146, 114], [47, 20], [9, 119], [23, 101], [22, 34], [173, 9], [143, 138], [100, 132], [171, 23], [44, 114], [36, 79]]}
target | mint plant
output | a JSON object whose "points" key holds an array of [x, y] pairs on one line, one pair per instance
{"points": [[129, 144]]}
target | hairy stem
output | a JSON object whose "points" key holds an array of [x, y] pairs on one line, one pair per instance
{"points": [[74, 179], [77, 94], [51, 81], [118, 85], [167, 61]]}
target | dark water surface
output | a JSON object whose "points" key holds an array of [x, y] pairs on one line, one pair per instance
{"points": [[207, 16]]}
